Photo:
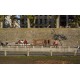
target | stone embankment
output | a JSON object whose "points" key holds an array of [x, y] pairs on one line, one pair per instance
{"points": [[14, 34]]}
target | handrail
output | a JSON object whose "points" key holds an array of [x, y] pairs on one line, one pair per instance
{"points": [[29, 49]]}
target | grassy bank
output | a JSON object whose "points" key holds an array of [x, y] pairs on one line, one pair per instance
{"points": [[40, 60]]}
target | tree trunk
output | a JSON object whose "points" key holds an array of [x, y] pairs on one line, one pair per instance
{"points": [[34, 21], [67, 21], [77, 25], [28, 22], [58, 21], [1, 24]]}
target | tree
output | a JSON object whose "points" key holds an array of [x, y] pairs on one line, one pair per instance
{"points": [[56, 21], [28, 21], [7, 21], [34, 21], [1, 20], [15, 23], [31, 19], [75, 21], [67, 21]]}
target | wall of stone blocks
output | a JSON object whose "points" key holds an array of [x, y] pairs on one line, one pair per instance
{"points": [[15, 34]]}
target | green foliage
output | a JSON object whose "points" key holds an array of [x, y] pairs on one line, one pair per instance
{"points": [[1, 17], [77, 18], [30, 16], [12, 17], [75, 22], [59, 37], [32, 19], [55, 20]]}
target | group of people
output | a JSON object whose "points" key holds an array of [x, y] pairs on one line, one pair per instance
{"points": [[55, 43], [3, 43], [46, 42], [23, 42]]}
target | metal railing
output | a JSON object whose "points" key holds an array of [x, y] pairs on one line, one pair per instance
{"points": [[29, 49]]}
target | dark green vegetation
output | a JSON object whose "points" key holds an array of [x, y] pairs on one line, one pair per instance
{"points": [[40, 60], [59, 37], [72, 21]]}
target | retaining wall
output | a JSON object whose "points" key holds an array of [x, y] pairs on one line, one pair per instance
{"points": [[15, 34]]}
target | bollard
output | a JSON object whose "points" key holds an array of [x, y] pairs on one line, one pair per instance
{"points": [[51, 52], [27, 53], [5, 53]]}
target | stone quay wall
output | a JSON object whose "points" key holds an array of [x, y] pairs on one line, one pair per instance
{"points": [[30, 34]]}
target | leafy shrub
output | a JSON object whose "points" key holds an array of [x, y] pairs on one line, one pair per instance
{"points": [[59, 36]]}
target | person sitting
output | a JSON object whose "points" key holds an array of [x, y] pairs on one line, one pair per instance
{"points": [[45, 42], [6, 43], [25, 42], [2, 44], [48, 42], [19, 42], [55, 43]]}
